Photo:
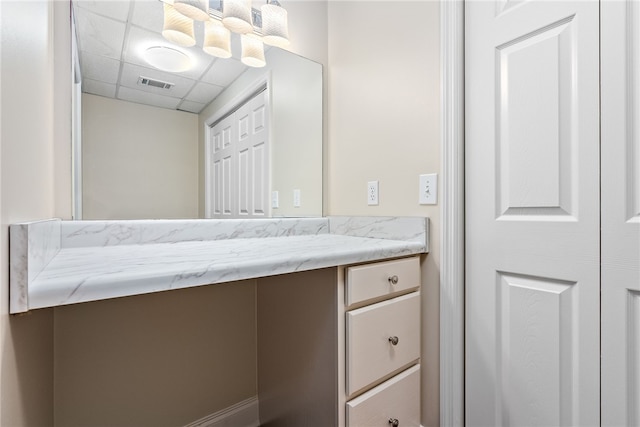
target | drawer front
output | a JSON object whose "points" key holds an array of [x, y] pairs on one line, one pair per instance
{"points": [[373, 281], [371, 353], [395, 399]]}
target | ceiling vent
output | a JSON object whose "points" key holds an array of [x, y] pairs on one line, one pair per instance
{"points": [[146, 81]]}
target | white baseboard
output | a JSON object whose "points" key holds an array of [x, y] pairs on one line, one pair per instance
{"points": [[242, 414]]}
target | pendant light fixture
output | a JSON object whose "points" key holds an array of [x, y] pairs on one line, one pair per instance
{"points": [[252, 51], [217, 39], [233, 15], [177, 28], [275, 31], [195, 9], [236, 16]]}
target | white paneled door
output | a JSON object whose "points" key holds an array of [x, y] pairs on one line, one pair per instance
{"points": [[532, 213], [620, 65], [239, 146]]}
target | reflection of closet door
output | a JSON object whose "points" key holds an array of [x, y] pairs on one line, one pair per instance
{"points": [[240, 162], [253, 157], [532, 213], [620, 29], [223, 146]]}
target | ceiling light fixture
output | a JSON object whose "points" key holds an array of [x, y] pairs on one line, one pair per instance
{"points": [[197, 10], [257, 26], [177, 28], [275, 31], [217, 39], [252, 51], [236, 16], [167, 59]]}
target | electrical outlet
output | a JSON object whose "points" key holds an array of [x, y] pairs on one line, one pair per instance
{"points": [[296, 199], [372, 193], [275, 199], [428, 188]]}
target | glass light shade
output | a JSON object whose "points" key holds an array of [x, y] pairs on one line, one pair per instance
{"points": [[217, 39], [194, 9], [236, 16], [275, 30], [177, 28], [167, 59], [252, 51]]}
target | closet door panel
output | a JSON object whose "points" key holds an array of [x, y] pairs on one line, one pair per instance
{"points": [[620, 65], [532, 213]]}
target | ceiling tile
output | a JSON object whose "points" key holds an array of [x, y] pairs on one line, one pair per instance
{"points": [[148, 14], [115, 9], [140, 40], [204, 93], [140, 97], [99, 35], [99, 88], [224, 71], [99, 68], [192, 107]]}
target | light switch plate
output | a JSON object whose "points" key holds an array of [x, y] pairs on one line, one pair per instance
{"points": [[275, 199], [428, 188]]}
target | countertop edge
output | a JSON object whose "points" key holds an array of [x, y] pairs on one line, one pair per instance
{"points": [[44, 273]]}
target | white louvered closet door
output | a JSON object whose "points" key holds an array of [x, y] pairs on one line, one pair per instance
{"points": [[532, 213]]}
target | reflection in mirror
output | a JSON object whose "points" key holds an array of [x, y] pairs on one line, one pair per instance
{"points": [[152, 143]]}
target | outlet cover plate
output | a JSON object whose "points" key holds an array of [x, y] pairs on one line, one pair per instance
{"points": [[372, 193], [296, 198]]}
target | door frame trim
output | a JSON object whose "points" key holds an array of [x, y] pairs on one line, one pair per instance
{"points": [[452, 213]]}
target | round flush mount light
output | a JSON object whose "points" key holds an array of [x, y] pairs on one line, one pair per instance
{"points": [[167, 59]]}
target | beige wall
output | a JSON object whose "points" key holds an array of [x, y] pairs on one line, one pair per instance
{"points": [[164, 359], [34, 184], [384, 92], [138, 161]]}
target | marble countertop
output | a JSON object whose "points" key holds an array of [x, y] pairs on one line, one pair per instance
{"points": [[56, 262]]}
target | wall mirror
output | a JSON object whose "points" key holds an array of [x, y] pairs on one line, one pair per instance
{"points": [[145, 138]]}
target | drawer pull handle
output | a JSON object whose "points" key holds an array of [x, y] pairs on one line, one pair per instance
{"points": [[394, 422], [394, 340], [393, 280]]}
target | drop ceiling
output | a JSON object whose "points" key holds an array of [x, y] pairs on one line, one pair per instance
{"points": [[111, 38]]}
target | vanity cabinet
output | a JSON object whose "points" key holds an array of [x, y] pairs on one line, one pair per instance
{"points": [[341, 346], [383, 344]]}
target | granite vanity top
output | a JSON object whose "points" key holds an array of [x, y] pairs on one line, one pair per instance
{"points": [[57, 262]]}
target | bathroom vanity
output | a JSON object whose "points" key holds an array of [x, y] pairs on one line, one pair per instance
{"points": [[338, 299]]}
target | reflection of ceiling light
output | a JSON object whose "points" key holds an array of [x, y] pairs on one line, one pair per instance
{"points": [[236, 16], [217, 39], [177, 28], [252, 51], [167, 59], [194, 9], [275, 31], [271, 26]]}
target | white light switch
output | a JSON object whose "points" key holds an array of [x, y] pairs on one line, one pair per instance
{"points": [[275, 199], [428, 188]]}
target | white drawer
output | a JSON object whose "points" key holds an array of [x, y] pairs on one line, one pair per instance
{"points": [[382, 279], [395, 399], [371, 353]]}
